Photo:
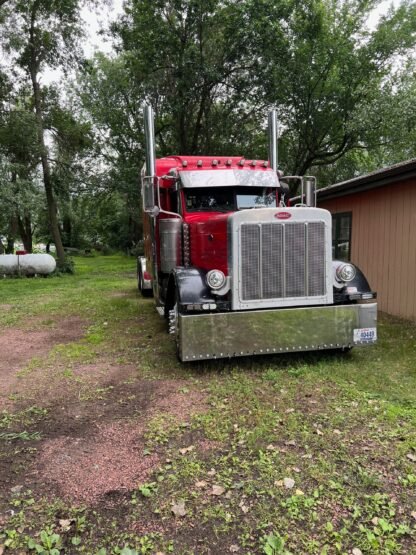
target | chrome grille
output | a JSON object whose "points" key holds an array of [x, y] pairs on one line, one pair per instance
{"points": [[282, 260], [294, 260], [250, 265], [272, 261], [316, 258]]}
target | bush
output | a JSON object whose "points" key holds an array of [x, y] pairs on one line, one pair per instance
{"points": [[137, 249], [106, 250], [65, 267]]}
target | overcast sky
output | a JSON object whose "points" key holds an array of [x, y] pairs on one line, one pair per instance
{"points": [[97, 20]]}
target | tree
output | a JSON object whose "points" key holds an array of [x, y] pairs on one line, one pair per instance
{"points": [[212, 69], [188, 58], [332, 78], [110, 98], [42, 33], [19, 156]]}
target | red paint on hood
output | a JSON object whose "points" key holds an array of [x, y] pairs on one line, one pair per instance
{"points": [[208, 238]]}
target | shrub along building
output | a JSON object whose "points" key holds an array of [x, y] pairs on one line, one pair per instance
{"points": [[374, 226]]}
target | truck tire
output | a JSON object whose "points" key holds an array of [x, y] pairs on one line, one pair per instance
{"points": [[173, 323]]}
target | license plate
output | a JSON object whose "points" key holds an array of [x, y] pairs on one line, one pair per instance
{"points": [[365, 335]]}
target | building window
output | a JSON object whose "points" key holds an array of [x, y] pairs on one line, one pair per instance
{"points": [[341, 236]]}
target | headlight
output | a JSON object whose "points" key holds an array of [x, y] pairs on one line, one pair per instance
{"points": [[215, 279], [345, 272]]}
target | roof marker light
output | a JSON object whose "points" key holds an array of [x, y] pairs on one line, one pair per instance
{"points": [[265, 164], [253, 163], [215, 162], [184, 163], [241, 162], [228, 162], [199, 163]]}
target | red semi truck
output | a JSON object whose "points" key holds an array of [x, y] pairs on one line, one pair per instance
{"points": [[234, 270]]}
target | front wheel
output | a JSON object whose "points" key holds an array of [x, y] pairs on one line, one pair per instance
{"points": [[174, 325]]}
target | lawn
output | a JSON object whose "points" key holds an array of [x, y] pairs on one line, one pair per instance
{"points": [[109, 445]]}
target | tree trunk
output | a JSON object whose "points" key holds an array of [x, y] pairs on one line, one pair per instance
{"points": [[25, 231], [33, 67], [67, 231], [47, 181], [10, 245], [11, 236]]}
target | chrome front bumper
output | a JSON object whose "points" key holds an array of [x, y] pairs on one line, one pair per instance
{"points": [[255, 332]]}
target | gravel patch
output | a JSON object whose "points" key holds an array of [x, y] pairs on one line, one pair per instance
{"points": [[103, 460], [85, 469], [19, 346]]}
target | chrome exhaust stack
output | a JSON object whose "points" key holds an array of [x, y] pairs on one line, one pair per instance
{"points": [[310, 191], [150, 145], [273, 138]]}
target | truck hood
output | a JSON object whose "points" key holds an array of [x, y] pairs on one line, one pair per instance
{"points": [[208, 240]]}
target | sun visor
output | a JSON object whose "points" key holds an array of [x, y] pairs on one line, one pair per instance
{"points": [[228, 178]]}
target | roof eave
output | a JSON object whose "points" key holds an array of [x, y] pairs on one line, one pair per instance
{"points": [[371, 181]]}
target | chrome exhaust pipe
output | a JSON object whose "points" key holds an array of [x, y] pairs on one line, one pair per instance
{"points": [[273, 138], [310, 191], [150, 145]]}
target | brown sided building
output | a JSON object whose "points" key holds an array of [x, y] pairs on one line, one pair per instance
{"points": [[374, 226]]}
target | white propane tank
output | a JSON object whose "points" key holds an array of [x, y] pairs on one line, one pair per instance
{"points": [[26, 264]]}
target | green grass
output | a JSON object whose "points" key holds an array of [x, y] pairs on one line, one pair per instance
{"points": [[83, 293], [342, 427]]}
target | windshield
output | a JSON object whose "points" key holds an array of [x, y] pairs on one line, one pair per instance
{"points": [[228, 199]]}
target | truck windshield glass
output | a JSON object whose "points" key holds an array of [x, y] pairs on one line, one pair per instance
{"points": [[228, 199]]}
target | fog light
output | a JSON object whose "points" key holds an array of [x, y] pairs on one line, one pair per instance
{"points": [[215, 279]]}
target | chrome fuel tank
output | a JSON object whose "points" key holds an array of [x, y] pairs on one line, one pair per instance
{"points": [[170, 232]]}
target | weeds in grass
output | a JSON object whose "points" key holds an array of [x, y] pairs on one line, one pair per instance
{"points": [[49, 544], [340, 428], [274, 544], [22, 436], [25, 417]]}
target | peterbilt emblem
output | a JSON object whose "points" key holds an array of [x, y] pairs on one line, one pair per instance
{"points": [[283, 215]]}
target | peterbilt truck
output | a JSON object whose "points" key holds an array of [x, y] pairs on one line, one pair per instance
{"points": [[235, 269]]}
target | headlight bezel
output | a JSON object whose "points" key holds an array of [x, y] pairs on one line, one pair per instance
{"points": [[211, 275], [345, 272]]}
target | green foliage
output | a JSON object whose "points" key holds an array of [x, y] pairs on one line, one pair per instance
{"points": [[318, 62], [345, 93], [39, 34], [50, 543], [147, 490], [274, 544], [65, 267], [26, 416], [333, 77], [23, 436]]}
